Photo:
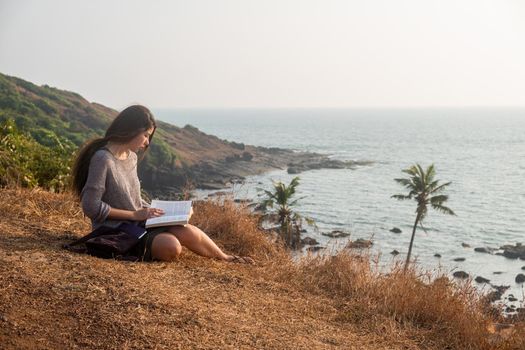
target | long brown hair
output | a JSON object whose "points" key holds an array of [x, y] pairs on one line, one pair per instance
{"points": [[128, 124]]}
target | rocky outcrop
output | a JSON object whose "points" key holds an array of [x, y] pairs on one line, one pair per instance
{"points": [[359, 244], [323, 162], [460, 274], [480, 279], [520, 278], [314, 249], [497, 293], [484, 250], [336, 234], [514, 251], [309, 241]]}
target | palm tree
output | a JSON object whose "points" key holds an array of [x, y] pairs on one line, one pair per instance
{"points": [[426, 192], [289, 220]]}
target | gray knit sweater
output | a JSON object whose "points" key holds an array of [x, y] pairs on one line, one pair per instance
{"points": [[111, 183]]}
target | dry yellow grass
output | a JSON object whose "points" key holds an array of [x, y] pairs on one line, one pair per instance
{"points": [[51, 298]]}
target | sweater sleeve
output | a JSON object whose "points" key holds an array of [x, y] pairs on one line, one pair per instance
{"points": [[144, 204], [91, 196]]}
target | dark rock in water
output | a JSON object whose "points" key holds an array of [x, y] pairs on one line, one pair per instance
{"points": [[509, 309], [459, 259], [523, 267], [496, 295], [309, 241], [520, 278], [336, 234], [514, 252], [437, 255], [314, 249], [497, 272], [460, 274], [396, 230], [484, 250], [359, 243], [513, 298], [501, 289], [303, 230], [218, 194], [394, 252], [465, 245], [480, 279], [242, 201], [510, 254], [323, 163]]}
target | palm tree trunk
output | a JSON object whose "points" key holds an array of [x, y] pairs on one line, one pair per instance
{"points": [[411, 241]]}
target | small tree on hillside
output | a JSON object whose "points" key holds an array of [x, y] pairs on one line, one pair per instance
{"points": [[290, 221], [426, 192]]}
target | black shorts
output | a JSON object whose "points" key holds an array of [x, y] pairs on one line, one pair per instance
{"points": [[143, 248]]}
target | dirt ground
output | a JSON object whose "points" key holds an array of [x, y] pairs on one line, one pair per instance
{"points": [[52, 298]]}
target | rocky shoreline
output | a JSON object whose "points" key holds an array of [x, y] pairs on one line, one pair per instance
{"points": [[498, 294], [215, 173]]}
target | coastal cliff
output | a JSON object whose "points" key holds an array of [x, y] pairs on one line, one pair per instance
{"points": [[177, 156]]}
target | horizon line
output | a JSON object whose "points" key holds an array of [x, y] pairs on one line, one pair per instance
{"points": [[345, 108]]}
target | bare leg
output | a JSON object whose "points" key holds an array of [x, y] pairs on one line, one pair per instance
{"points": [[198, 242], [165, 247]]}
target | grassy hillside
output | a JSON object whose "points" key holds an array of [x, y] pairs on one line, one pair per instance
{"points": [[57, 118], [51, 298]]}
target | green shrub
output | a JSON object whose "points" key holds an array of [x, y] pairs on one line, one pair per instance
{"points": [[27, 163]]}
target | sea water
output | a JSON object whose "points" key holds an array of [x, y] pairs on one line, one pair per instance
{"points": [[481, 151]]}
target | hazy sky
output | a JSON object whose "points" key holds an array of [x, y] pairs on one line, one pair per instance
{"points": [[284, 53]]}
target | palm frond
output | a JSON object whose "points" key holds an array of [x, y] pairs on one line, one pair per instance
{"points": [[269, 194], [267, 203], [443, 209], [440, 188], [408, 183], [430, 173], [294, 202], [438, 200], [401, 197]]}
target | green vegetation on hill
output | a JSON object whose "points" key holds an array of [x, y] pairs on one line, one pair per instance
{"points": [[39, 110], [51, 117], [28, 163], [43, 126]]}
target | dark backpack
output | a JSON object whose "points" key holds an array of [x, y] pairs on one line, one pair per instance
{"points": [[111, 242]]}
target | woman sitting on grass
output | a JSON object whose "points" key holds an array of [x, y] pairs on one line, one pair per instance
{"points": [[106, 181]]}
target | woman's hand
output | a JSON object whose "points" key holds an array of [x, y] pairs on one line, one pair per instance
{"points": [[146, 213]]}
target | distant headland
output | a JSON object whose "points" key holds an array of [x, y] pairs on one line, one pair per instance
{"points": [[178, 155]]}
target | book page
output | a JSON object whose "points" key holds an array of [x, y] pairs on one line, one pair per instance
{"points": [[172, 208], [175, 212]]}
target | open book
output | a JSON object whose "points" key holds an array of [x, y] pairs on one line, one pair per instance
{"points": [[175, 213]]}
